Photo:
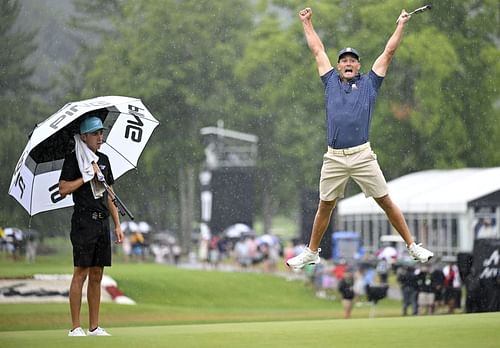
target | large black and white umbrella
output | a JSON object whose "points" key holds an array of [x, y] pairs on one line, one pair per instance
{"points": [[36, 176]]}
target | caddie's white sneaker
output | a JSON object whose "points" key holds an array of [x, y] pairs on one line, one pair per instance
{"points": [[419, 253], [98, 332], [76, 332], [306, 257]]}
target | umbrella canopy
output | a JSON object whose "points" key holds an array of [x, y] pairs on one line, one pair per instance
{"points": [[144, 227], [238, 230], [164, 238], [35, 181], [129, 226], [388, 253], [268, 239]]}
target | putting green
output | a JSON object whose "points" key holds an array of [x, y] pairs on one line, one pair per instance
{"points": [[465, 330]]}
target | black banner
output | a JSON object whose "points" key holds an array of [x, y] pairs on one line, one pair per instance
{"points": [[233, 199], [483, 282]]}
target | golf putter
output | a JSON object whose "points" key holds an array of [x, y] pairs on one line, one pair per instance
{"points": [[419, 10], [118, 202], [122, 209]]}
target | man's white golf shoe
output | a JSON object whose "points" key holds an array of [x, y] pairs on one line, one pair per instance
{"points": [[306, 257], [419, 253]]}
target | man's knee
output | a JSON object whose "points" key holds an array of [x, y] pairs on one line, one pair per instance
{"points": [[384, 202], [327, 205], [79, 277], [95, 274], [80, 272]]}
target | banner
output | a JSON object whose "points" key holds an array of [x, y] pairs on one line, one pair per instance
{"points": [[483, 283]]}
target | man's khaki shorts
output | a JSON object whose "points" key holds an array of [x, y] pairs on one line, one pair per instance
{"points": [[359, 163]]}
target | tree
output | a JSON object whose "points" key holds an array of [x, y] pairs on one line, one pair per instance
{"points": [[177, 57], [15, 97], [433, 104], [14, 73], [472, 94], [194, 62], [272, 73]]}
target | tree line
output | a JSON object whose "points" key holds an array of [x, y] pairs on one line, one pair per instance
{"points": [[194, 62]]}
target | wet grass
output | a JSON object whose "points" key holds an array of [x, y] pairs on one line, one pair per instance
{"points": [[472, 330]]}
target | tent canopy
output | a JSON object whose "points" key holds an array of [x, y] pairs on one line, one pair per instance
{"points": [[431, 191]]}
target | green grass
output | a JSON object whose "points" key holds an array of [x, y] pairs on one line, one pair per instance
{"points": [[478, 330], [189, 308], [167, 295]]}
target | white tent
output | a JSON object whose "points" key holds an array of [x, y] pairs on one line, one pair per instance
{"points": [[435, 191], [443, 208]]}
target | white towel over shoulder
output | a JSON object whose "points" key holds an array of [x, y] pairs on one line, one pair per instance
{"points": [[85, 157]]}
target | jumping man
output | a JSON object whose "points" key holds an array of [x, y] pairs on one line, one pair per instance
{"points": [[350, 100]]}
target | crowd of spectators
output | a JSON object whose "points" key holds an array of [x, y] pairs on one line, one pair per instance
{"points": [[246, 252], [426, 289], [430, 289], [142, 244]]}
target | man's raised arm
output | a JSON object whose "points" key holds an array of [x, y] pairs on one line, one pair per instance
{"points": [[314, 42], [382, 63]]}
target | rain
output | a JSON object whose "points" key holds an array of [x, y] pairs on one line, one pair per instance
{"points": [[228, 178]]}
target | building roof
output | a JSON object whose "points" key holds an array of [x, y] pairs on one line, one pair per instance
{"points": [[431, 191]]}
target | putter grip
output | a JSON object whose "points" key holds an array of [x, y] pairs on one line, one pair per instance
{"points": [[418, 10], [421, 9]]}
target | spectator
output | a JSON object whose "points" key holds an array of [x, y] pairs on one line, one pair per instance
{"points": [[425, 291], [475, 293], [176, 251], [204, 243], [383, 270], [223, 245], [487, 229], [3, 241], [127, 247], [274, 255], [242, 253], [340, 269], [315, 274], [213, 251], [137, 242], [346, 289], [452, 287], [13, 241], [31, 247], [253, 250], [437, 278], [409, 288]]}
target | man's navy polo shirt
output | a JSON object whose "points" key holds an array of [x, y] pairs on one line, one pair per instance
{"points": [[349, 107]]}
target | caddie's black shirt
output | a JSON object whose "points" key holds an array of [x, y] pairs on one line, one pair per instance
{"points": [[83, 196]]}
